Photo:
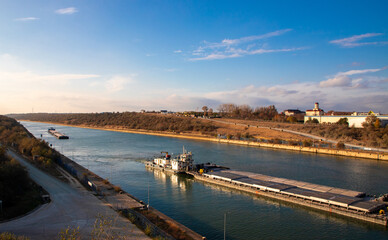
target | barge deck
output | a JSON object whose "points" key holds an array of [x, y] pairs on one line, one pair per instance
{"points": [[339, 201]]}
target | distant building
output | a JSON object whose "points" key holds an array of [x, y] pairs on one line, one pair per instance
{"points": [[316, 111], [335, 113], [293, 112], [365, 113], [354, 120]]}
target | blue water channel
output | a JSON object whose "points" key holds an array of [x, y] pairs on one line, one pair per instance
{"points": [[202, 207]]}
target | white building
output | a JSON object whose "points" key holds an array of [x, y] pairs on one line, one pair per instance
{"points": [[354, 120], [316, 111]]}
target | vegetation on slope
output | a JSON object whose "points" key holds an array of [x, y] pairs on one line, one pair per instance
{"points": [[13, 134], [18, 193], [126, 120], [372, 134]]}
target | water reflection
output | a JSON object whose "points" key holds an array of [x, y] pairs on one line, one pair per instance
{"points": [[179, 181]]}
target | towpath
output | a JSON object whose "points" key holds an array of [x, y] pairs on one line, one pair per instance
{"points": [[71, 205]]}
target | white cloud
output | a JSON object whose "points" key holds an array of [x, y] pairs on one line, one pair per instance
{"points": [[178, 51], [25, 19], [117, 83], [238, 41], [352, 72], [234, 48], [342, 79], [68, 11], [353, 41], [235, 53], [31, 77], [338, 81]]}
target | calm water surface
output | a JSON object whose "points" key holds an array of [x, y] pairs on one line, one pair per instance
{"points": [[201, 207]]}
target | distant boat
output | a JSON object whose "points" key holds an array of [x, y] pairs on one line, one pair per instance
{"points": [[57, 134]]}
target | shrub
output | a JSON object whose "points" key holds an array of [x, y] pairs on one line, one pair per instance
{"points": [[291, 119], [340, 145], [343, 121], [293, 143], [238, 136], [117, 188], [247, 135], [11, 236], [307, 143], [148, 230], [277, 141]]}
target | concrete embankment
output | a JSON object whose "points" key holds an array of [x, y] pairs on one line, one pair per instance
{"points": [[127, 204], [372, 218], [338, 152]]}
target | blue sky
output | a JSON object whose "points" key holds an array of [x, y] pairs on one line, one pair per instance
{"points": [[94, 55]]}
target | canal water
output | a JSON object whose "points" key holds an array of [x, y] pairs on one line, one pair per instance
{"points": [[203, 207]]}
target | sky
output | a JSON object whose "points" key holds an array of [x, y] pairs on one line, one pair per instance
{"points": [[128, 55]]}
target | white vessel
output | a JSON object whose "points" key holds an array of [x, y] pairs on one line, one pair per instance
{"points": [[179, 164]]}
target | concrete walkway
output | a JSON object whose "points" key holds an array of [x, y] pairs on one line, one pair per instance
{"points": [[70, 206]]}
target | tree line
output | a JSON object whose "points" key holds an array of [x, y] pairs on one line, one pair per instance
{"points": [[247, 112], [127, 120]]}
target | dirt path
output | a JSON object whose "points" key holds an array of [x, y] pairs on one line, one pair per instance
{"points": [[72, 206]]}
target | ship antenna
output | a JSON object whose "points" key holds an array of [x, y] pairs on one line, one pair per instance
{"points": [[184, 149]]}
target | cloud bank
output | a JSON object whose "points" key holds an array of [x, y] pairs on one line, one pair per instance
{"points": [[22, 89]]}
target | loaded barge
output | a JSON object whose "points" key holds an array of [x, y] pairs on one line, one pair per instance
{"points": [[353, 204], [57, 134], [334, 200]]}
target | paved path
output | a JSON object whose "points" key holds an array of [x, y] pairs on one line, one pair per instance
{"points": [[305, 135], [70, 206]]}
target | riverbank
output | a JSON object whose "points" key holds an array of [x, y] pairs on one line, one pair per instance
{"points": [[337, 152]]}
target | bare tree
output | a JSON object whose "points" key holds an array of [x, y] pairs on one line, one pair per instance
{"points": [[204, 109]]}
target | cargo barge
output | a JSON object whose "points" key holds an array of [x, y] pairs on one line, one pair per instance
{"points": [[338, 201], [57, 134], [349, 203]]}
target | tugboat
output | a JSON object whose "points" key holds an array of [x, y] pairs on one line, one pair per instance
{"points": [[180, 164]]}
